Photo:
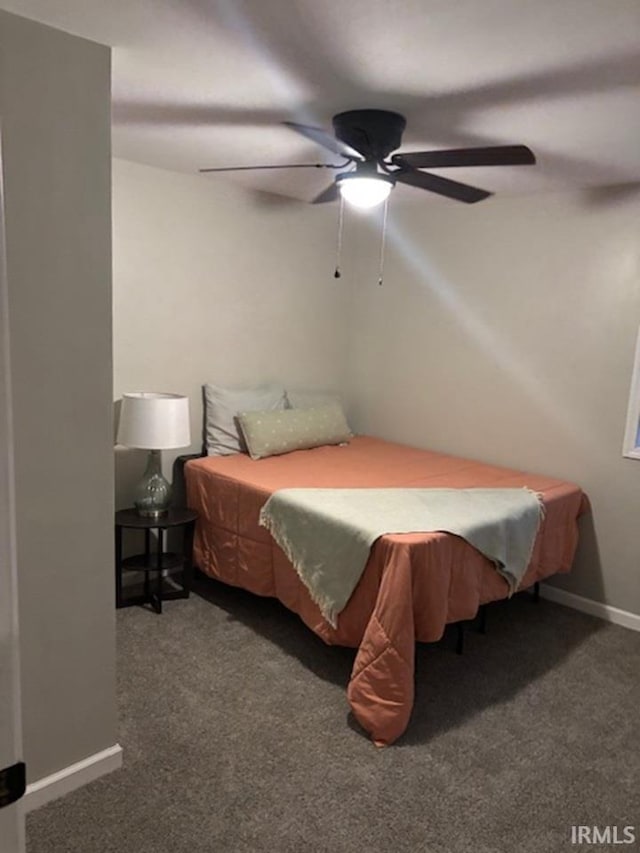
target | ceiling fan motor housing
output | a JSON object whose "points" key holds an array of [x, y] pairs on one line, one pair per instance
{"points": [[374, 133]]}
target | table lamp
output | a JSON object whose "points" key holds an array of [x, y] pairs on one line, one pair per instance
{"points": [[154, 422]]}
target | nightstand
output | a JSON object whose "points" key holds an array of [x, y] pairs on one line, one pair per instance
{"points": [[157, 559]]}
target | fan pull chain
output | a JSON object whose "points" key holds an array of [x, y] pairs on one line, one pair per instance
{"points": [[382, 242], [337, 273]]}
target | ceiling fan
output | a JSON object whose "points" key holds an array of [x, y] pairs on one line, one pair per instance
{"points": [[366, 138]]}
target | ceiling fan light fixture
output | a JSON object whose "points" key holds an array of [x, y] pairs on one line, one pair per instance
{"points": [[364, 192]]}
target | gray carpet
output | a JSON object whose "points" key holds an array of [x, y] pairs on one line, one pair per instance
{"points": [[237, 738]]}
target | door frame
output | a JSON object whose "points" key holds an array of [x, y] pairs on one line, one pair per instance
{"points": [[12, 816]]}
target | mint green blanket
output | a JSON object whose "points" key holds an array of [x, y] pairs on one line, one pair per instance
{"points": [[327, 533]]}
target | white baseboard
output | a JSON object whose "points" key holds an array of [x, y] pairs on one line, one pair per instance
{"points": [[593, 608], [72, 777]]}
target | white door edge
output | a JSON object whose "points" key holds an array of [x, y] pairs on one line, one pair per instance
{"points": [[11, 817]]}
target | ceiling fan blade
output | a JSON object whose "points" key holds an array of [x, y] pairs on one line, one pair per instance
{"points": [[495, 155], [331, 193], [284, 166], [442, 186], [317, 134]]}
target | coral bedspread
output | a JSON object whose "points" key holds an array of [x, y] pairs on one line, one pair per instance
{"points": [[413, 583]]}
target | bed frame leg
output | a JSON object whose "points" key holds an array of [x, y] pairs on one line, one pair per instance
{"points": [[460, 640], [536, 592]]}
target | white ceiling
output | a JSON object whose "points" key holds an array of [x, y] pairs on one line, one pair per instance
{"points": [[208, 82]]}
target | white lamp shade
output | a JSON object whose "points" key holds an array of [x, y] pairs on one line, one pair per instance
{"points": [[364, 192], [154, 421]]}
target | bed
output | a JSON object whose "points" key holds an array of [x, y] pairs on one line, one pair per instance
{"points": [[413, 584]]}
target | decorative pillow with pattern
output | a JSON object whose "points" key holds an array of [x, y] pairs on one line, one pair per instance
{"points": [[274, 433]]}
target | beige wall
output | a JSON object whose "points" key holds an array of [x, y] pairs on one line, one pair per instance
{"points": [[211, 286], [54, 107], [505, 332]]}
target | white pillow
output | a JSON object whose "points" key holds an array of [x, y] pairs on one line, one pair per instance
{"points": [[311, 399], [222, 434]]}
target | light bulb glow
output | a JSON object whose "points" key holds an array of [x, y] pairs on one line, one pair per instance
{"points": [[364, 192]]}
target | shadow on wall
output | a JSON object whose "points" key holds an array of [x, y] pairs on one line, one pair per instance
{"points": [[129, 465], [129, 468], [586, 574]]}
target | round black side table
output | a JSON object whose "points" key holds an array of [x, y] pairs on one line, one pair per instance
{"points": [[158, 562]]}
